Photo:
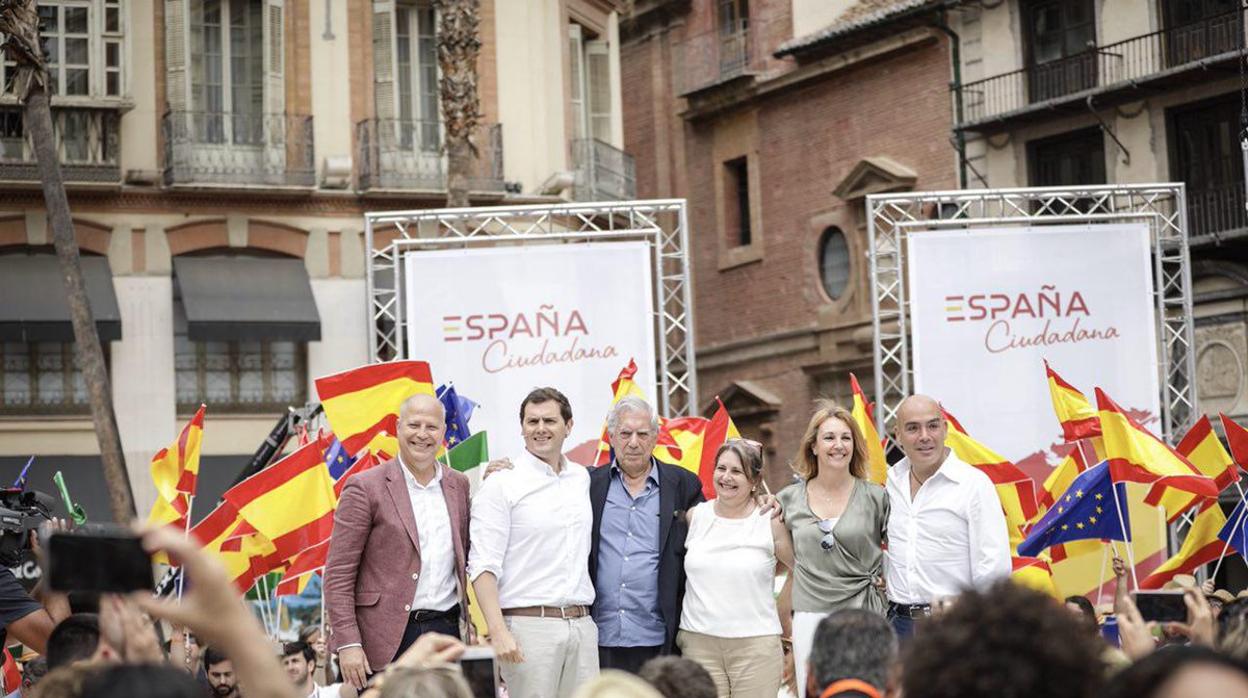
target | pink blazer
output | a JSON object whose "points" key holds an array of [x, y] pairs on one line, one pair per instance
{"points": [[374, 558]]}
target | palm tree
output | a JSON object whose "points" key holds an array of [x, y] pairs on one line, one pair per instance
{"points": [[459, 44], [19, 23]]}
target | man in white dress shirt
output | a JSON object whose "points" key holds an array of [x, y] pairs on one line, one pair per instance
{"points": [[529, 561], [946, 528]]}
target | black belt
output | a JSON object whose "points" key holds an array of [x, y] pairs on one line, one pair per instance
{"points": [[421, 615], [910, 610]]}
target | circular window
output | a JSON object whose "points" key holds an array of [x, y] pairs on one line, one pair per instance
{"points": [[834, 262]]}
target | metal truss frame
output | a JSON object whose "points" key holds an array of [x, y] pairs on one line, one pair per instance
{"points": [[891, 218], [662, 224]]}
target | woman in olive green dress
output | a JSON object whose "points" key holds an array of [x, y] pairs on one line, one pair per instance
{"points": [[837, 519]]}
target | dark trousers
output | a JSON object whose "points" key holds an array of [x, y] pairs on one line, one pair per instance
{"points": [[421, 622], [903, 620], [627, 659]]}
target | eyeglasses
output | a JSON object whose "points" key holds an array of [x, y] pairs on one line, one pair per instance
{"points": [[828, 542]]}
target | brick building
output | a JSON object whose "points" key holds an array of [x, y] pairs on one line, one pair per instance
{"points": [[775, 118]]}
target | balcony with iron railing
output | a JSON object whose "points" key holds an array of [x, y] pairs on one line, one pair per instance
{"points": [[407, 155], [602, 172], [238, 150], [725, 54], [1217, 210], [88, 141], [1111, 72]]}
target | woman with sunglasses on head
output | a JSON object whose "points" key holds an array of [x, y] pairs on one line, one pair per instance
{"points": [[837, 520], [729, 623]]}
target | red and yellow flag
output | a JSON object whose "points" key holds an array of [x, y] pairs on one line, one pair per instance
{"points": [[364, 401], [1015, 488], [1200, 446], [1135, 455], [291, 503], [1077, 416], [1237, 438], [1034, 573], [175, 471], [1201, 546], [864, 418], [1056, 483], [245, 553], [301, 569]]}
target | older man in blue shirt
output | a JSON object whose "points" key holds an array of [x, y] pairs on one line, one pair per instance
{"points": [[639, 528]]}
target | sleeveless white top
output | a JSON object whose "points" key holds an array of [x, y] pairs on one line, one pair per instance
{"points": [[730, 568]]}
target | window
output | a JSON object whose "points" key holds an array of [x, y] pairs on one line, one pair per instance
{"points": [[834, 262], [243, 376], [83, 43], [1197, 29], [591, 85], [1062, 37], [1206, 156], [227, 70], [737, 206], [734, 27], [41, 378], [1071, 159], [416, 54]]}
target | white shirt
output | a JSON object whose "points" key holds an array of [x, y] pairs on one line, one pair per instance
{"points": [[951, 537], [531, 527], [331, 691], [437, 589], [730, 568]]}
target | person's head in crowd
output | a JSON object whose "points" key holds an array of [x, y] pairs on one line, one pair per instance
{"points": [[140, 681], [545, 422], [678, 677], [738, 471], [32, 671], [613, 683], [831, 440], [312, 635], [183, 649], [299, 660], [1181, 671], [1083, 612], [77, 638], [633, 429], [920, 429], [1233, 629], [854, 653], [220, 671], [1005, 642], [440, 681], [66, 681], [421, 426], [1218, 599]]}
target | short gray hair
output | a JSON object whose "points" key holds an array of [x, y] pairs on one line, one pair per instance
{"points": [[853, 644], [631, 404]]}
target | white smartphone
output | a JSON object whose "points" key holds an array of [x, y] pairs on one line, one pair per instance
{"points": [[480, 670]]}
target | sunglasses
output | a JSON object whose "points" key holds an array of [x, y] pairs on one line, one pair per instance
{"points": [[828, 542]]}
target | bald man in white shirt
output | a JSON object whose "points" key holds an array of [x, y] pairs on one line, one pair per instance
{"points": [[946, 528]]}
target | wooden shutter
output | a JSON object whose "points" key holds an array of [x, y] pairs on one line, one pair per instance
{"points": [[576, 63], [177, 77], [274, 58], [598, 89], [384, 59]]}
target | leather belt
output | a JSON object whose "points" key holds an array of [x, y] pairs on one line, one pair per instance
{"points": [[910, 610], [420, 615], [565, 612]]}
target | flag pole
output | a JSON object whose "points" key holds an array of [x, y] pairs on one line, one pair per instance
{"points": [[186, 534], [1239, 522], [1113, 487], [1100, 585]]}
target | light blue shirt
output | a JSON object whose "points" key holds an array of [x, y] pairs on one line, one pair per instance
{"points": [[626, 609]]}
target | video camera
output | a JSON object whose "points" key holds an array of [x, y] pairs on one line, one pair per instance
{"points": [[21, 511]]}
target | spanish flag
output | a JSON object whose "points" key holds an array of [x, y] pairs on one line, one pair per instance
{"points": [[364, 401], [1200, 446], [291, 503], [301, 569], [1034, 573], [245, 553], [1237, 437], [175, 471], [865, 419], [1200, 546], [1079, 420], [1015, 488], [1135, 455]]}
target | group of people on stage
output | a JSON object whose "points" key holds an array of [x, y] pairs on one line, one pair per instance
{"points": [[576, 569]]}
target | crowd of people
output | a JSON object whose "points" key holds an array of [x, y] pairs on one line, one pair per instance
{"points": [[624, 580]]}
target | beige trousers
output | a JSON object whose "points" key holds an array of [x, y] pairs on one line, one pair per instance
{"points": [[559, 656], [742, 667]]}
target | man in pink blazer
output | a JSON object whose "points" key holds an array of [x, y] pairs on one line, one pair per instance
{"points": [[396, 560]]}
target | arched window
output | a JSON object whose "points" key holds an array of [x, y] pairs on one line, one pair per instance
{"points": [[834, 262]]}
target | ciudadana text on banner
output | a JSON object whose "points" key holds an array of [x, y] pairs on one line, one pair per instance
{"points": [[988, 306], [499, 322]]}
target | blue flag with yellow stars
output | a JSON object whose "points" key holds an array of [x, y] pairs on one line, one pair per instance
{"points": [[337, 458], [458, 412], [1086, 510]]}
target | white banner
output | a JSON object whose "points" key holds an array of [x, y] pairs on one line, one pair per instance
{"points": [[499, 322], [988, 306]]}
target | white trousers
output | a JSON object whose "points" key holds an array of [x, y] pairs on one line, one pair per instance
{"points": [[804, 624], [559, 656]]}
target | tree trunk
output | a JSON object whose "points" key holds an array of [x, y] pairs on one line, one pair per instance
{"points": [[20, 24], [459, 44]]}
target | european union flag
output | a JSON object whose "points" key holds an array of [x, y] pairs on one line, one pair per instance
{"points": [[337, 458], [1086, 510], [1235, 531], [458, 412]]}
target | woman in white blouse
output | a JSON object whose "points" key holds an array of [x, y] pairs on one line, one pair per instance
{"points": [[729, 623]]}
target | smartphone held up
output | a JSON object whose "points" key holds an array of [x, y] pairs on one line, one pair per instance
{"points": [[104, 560]]}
